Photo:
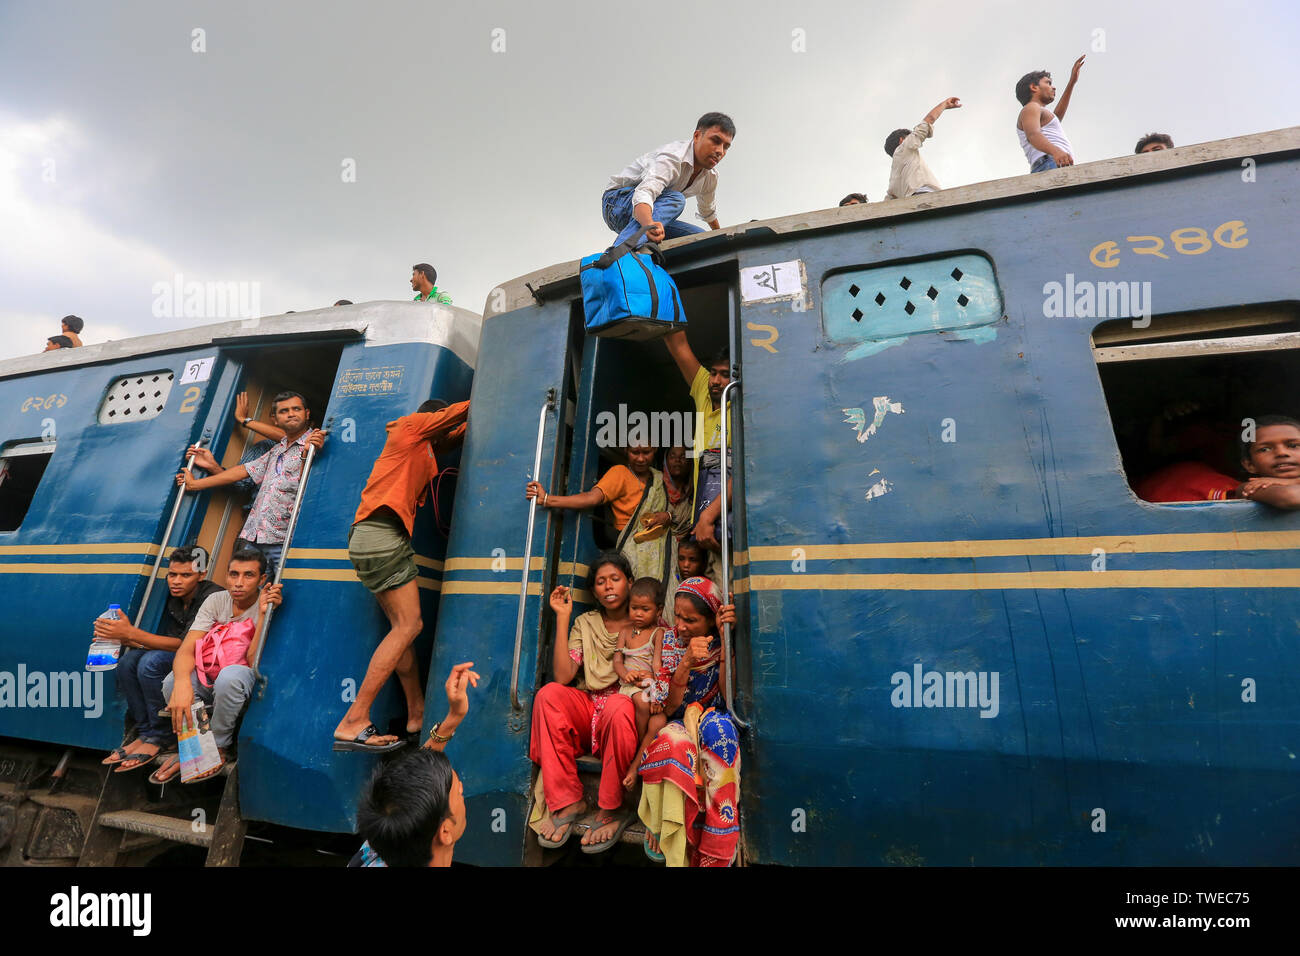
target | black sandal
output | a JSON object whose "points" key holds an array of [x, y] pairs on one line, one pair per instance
{"points": [[358, 743]]}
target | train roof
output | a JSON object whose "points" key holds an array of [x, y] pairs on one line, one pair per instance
{"points": [[380, 323], [558, 279]]}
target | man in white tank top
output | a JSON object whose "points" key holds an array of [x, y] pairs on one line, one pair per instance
{"points": [[1045, 144]]}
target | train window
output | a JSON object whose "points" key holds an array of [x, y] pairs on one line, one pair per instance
{"points": [[1179, 390], [134, 398], [22, 464], [881, 306]]}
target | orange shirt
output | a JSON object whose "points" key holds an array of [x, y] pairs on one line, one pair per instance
{"points": [[403, 470], [623, 491]]}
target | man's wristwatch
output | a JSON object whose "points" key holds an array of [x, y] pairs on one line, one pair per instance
{"points": [[438, 738], [246, 421]]}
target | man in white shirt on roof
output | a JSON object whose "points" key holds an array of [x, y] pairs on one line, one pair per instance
{"points": [[653, 190], [910, 174], [1045, 144]]}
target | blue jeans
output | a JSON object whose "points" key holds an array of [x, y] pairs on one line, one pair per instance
{"points": [[273, 554], [1043, 164], [616, 207], [140, 675], [226, 698]]}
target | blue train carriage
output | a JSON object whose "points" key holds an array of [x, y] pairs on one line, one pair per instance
{"points": [[964, 638], [90, 442]]}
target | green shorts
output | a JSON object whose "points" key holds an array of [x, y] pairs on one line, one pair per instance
{"points": [[381, 552]]}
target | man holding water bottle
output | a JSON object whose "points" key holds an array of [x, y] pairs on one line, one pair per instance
{"points": [[146, 659]]}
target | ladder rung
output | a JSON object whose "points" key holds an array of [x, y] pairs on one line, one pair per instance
{"points": [[157, 825]]}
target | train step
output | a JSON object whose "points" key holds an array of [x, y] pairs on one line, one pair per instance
{"points": [[121, 812], [589, 768], [159, 825]]}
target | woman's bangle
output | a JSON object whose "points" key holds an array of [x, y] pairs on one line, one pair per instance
{"points": [[545, 498]]}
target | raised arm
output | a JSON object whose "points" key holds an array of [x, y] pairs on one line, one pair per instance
{"points": [[562, 665], [951, 103], [433, 425], [1064, 102], [681, 352], [252, 424], [458, 684]]}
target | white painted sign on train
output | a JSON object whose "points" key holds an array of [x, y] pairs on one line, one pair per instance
{"points": [[199, 370], [779, 280]]}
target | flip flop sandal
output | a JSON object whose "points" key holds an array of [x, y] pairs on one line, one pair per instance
{"points": [[602, 847], [175, 768], [645, 845], [558, 822], [135, 761], [207, 775], [358, 743], [116, 757]]}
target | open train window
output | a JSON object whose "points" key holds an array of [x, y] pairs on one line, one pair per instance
{"points": [[1179, 390], [22, 464]]}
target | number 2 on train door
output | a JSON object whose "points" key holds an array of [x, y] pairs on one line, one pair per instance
{"points": [[191, 400]]}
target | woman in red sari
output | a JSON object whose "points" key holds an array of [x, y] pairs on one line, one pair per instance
{"points": [[690, 774]]}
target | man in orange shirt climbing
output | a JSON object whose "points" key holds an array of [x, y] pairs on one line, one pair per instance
{"points": [[379, 546]]}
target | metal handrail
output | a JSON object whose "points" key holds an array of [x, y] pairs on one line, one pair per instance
{"points": [[224, 525], [726, 566], [528, 553], [284, 555], [162, 546]]}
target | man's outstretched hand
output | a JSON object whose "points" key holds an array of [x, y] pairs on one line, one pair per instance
{"points": [[458, 684]]}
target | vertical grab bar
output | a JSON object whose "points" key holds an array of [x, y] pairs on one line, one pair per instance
{"points": [[162, 546], [284, 556], [726, 562], [528, 552]]}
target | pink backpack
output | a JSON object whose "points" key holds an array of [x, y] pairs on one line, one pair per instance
{"points": [[223, 645]]}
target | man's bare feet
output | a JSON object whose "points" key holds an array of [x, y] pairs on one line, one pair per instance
{"points": [[606, 827], [552, 832]]}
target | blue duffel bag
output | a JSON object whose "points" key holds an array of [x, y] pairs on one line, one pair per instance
{"points": [[626, 294]]}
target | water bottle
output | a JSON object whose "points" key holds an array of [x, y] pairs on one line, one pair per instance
{"points": [[103, 655]]}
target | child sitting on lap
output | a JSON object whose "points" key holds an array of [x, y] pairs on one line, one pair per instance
{"points": [[638, 660]]}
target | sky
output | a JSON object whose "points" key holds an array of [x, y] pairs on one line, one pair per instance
{"points": [[316, 150]]}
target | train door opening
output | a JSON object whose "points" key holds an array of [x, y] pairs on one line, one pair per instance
{"points": [[308, 369], [629, 393]]}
